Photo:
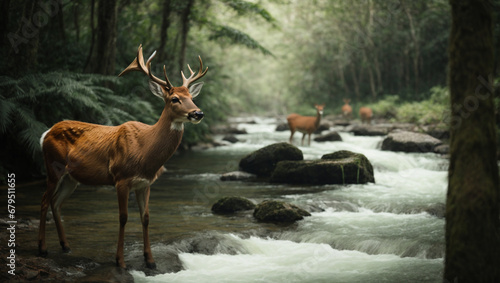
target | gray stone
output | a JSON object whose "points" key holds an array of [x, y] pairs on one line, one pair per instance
{"points": [[410, 142], [263, 161]]}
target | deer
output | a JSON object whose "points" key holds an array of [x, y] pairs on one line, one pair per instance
{"points": [[130, 156], [347, 109], [366, 114], [305, 124]]}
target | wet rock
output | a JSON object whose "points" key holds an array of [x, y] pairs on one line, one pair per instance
{"points": [[370, 130], [410, 142], [332, 136], [342, 167], [263, 161], [232, 204], [108, 273], [437, 209], [278, 211], [322, 127], [442, 134], [230, 138], [442, 149], [237, 176], [282, 127]]}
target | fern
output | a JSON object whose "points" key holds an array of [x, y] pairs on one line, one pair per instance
{"points": [[245, 8], [234, 36]]}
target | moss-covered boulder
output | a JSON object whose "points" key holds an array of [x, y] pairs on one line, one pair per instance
{"points": [[279, 212], [342, 167], [231, 205], [263, 161], [410, 142]]}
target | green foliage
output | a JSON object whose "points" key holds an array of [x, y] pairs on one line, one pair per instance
{"points": [[222, 33], [386, 108], [428, 111]]}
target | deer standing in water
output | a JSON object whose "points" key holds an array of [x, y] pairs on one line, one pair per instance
{"points": [[347, 109], [305, 124], [366, 114], [129, 156]]}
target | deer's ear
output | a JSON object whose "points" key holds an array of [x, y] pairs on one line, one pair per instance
{"points": [[156, 89], [195, 89]]}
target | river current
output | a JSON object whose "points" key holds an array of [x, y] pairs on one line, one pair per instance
{"points": [[378, 232], [388, 231]]}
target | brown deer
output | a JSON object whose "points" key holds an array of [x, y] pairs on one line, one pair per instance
{"points": [[305, 124], [129, 156], [347, 109], [365, 113]]}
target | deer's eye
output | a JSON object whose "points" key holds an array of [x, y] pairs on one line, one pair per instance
{"points": [[175, 100]]}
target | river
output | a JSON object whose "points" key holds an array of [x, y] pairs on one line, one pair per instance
{"points": [[377, 232]]}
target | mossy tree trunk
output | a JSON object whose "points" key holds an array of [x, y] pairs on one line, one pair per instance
{"points": [[472, 206]]}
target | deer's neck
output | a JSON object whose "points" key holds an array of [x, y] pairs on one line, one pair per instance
{"points": [[163, 138], [318, 120]]}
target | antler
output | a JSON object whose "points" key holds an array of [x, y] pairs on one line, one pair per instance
{"points": [[138, 65], [193, 77]]}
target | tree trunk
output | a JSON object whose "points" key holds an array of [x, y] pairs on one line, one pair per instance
{"points": [[24, 42], [165, 24], [184, 32], [473, 200], [104, 60], [4, 24], [416, 47]]}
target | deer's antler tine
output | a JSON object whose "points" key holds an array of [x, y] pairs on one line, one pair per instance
{"points": [[169, 86], [137, 64], [153, 77], [193, 77]]}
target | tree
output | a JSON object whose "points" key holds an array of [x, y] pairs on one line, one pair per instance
{"points": [[103, 60], [472, 206]]}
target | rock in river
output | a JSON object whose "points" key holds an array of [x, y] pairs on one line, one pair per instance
{"points": [[263, 161], [410, 142], [278, 211], [332, 136], [232, 204], [341, 167]]}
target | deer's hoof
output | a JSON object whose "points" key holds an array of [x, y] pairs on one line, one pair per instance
{"points": [[42, 253], [151, 265]]}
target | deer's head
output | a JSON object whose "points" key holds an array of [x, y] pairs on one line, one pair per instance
{"points": [[319, 108], [178, 100]]}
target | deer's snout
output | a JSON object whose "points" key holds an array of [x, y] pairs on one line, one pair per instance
{"points": [[195, 116]]}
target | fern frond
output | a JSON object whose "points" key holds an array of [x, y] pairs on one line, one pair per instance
{"points": [[234, 36], [244, 8], [6, 109]]}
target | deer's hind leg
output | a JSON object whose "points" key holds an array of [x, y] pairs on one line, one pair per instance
{"points": [[65, 188], [57, 191]]}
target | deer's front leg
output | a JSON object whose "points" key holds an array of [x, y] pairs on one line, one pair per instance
{"points": [[142, 197], [122, 190]]}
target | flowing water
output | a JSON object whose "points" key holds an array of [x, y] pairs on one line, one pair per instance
{"points": [[378, 232]]}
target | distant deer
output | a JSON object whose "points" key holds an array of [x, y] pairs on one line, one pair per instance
{"points": [[366, 114], [305, 124], [347, 109], [129, 156]]}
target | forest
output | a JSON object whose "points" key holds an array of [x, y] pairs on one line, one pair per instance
{"points": [[265, 57]]}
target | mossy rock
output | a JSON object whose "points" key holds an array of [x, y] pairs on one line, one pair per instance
{"points": [[343, 167], [279, 212], [263, 161], [231, 205]]}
